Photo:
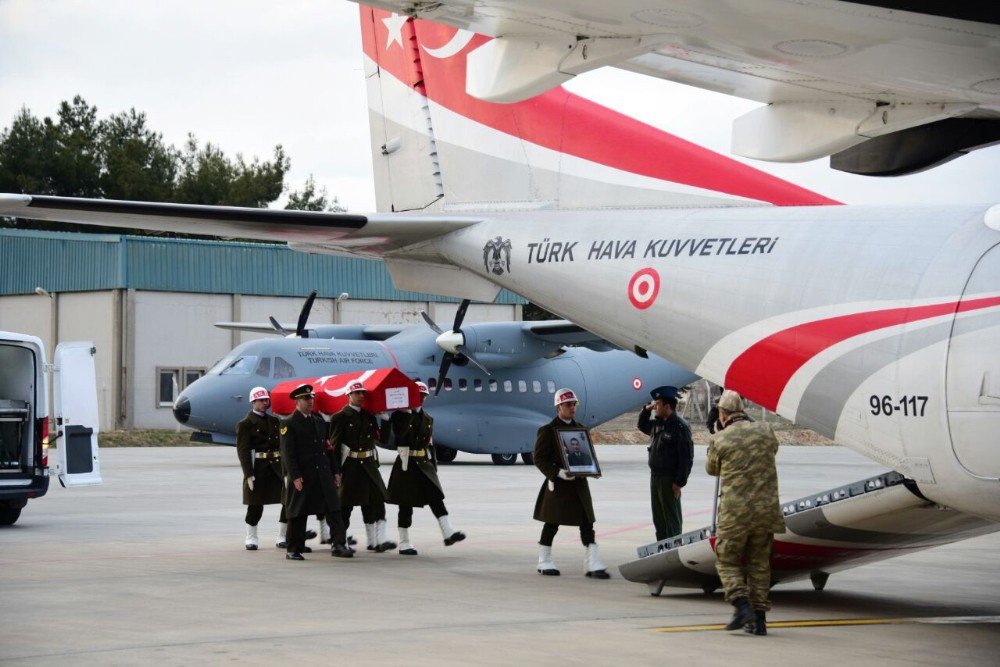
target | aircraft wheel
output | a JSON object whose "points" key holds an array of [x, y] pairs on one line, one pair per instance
{"points": [[528, 458], [819, 579], [504, 459], [445, 454], [9, 515]]}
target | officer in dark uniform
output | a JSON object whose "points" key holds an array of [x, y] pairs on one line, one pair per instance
{"points": [[671, 453], [414, 481], [353, 434], [257, 450], [312, 475], [563, 500]]}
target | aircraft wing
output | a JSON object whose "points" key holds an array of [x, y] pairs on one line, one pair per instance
{"points": [[833, 73], [871, 520], [374, 236]]}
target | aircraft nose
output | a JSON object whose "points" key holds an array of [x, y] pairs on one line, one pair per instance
{"points": [[182, 409]]}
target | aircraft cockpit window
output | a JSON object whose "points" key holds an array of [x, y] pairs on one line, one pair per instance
{"points": [[508, 386], [522, 386], [283, 369], [240, 366], [463, 384], [536, 386], [263, 367], [477, 384], [493, 386]]}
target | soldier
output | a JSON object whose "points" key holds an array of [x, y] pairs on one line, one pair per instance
{"points": [[356, 430], [257, 450], [671, 453], [414, 481], [563, 500], [313, 477], [742, 455]]}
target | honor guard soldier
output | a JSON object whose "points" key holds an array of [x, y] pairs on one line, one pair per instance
{"points": [[259, 455], [312, 476], [742, 456], [563, 500], [355, 430], [671, 453], [414, 481]]}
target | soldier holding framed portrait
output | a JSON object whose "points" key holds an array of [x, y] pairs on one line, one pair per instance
{"points": [[564, 499]]}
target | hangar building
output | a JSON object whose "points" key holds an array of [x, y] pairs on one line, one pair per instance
{"points": [[150, 303]]}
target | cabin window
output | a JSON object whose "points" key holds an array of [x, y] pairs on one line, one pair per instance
{"points": [[536, 386], [494, 386], [522, 386], [551, 386], [283, 369], [477, 384], [447, 384], [463, 384], [508, 386]]}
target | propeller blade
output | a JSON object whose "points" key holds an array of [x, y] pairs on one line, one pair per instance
{"points": [[443, 373], [304, 315], [277, 326], [460, 314], [431, 323], [475, 362]]}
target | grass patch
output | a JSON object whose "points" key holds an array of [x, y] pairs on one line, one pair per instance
{"points": [[148, 437]]}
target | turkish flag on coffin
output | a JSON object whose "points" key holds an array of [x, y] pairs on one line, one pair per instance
{"points": [[388, 389]]}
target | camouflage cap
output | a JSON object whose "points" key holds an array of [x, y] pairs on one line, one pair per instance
{"points": [[730, 401]]}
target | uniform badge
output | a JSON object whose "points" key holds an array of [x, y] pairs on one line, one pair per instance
{"points": [[284, 430]]}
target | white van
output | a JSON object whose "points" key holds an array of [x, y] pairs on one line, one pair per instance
{"points": [[24, 419]]}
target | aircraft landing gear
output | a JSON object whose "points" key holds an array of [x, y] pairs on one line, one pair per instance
{"points": [[528, 458], [504, 459], [818, 579], [445, 454]]}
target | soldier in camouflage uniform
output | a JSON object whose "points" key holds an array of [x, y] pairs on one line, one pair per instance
{"points": [[742, 456]]}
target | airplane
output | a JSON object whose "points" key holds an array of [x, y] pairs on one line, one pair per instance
{"points": [[875, 326], [497, 413], [884, 88]]}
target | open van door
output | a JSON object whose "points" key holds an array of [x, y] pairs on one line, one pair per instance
{"points": [[77, 421]]}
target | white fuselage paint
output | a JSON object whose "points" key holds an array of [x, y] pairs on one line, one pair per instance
{"points": [[826, 262]]}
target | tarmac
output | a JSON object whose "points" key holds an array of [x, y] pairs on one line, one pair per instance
{"points": [[150, 567]]}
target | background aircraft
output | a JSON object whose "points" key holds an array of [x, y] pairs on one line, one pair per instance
{"points": [[884, 88], [496, 414]]}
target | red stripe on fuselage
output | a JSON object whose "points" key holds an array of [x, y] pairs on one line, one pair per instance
{"points": [[763, 370], [566, 123]]}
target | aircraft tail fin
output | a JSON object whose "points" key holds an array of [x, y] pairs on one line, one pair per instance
{"points": [[435, 147]]}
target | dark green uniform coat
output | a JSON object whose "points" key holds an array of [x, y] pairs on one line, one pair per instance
{"points": [[568, 503], [418, 485], [259, 433], [304, 454], [356, 430]]}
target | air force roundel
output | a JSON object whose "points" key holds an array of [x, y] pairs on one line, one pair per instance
{"points": [[643, 288]]}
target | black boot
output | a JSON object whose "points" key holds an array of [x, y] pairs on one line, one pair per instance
{"points": [[341, 551], [758, 626], [742, 614]]}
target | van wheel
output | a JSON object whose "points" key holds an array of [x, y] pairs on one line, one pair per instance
{"points": [[8, 516], [445, 454], [504, 459]]}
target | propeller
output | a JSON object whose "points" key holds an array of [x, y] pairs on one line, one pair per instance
{"points": [[300, 328], [453, 344]]}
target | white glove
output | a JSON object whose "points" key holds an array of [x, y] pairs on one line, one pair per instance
{"points": [[564, 474], [250, 482]]}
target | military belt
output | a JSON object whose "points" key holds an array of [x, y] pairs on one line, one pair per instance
{"points": [[418, 452], [363, 454], [267, 455]]}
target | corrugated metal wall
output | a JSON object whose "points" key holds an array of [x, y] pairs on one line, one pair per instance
{"points": [[67, 262]]}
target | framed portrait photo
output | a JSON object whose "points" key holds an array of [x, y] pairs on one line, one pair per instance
{"points": [[578, 455]]}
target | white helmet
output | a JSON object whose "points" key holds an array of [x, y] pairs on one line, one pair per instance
{"points": [[422, 387], [564, 395], [258, 394]]}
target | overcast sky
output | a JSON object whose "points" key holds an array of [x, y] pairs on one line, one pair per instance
{"points": [[249, 74]]}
